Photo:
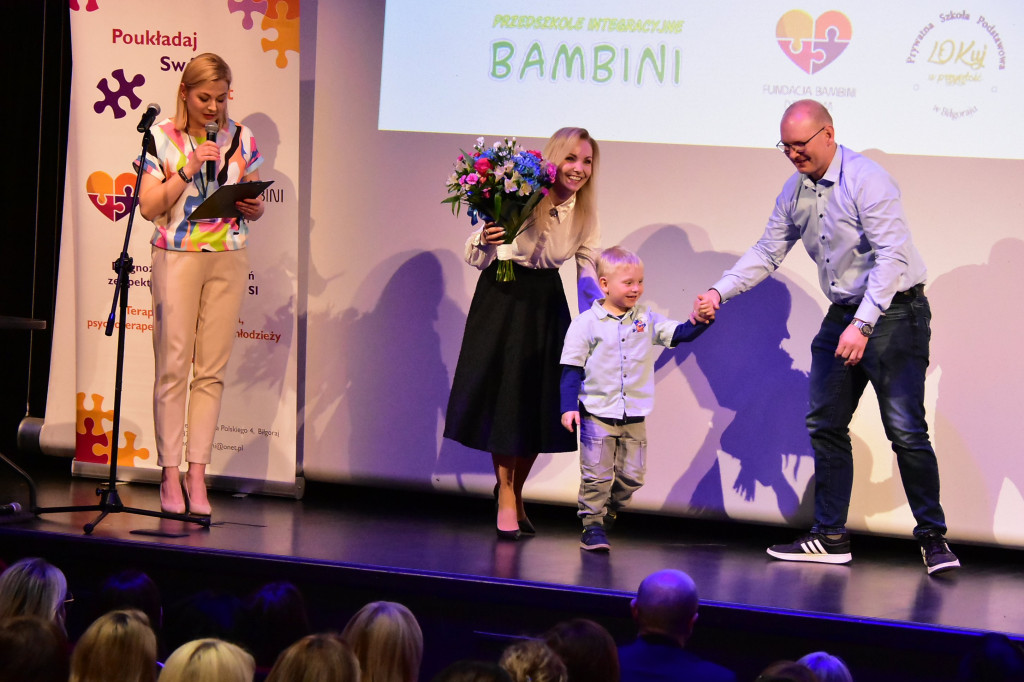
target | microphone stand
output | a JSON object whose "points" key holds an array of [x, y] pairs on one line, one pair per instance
{"points": [[110, 501]]}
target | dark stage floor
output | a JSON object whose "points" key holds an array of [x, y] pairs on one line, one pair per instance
{"points": [[441, 535]]}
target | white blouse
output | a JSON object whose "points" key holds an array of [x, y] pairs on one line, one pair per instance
{"points": [[547, 240]]}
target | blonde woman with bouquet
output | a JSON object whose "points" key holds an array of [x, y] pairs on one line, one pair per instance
{"points": [[505, 393]]}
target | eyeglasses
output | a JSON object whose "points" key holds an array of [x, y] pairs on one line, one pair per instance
{"points": [[68, 598], [797, 147]]}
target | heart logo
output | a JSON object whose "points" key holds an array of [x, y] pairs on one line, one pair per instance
{"points": [[812, 43], [111, 196]]}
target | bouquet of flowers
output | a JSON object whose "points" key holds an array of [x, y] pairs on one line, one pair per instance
{"points": [[502, 183]]}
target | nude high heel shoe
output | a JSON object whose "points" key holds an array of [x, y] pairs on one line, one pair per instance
{"points": [[167, 506], [191, 509]]}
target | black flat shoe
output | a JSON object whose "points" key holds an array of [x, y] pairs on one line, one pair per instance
{"points": [[526, 527], [512, 535]]}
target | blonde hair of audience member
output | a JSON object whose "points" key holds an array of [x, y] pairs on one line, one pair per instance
{"points": [[827, 667], [533, 661], [388, 642], [33, 587], [208, 660], [119, 646], [614, 257], [559, 146], [317, 658]]}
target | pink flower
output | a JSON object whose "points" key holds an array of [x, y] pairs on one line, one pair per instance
{"points": [[482, 165], [472, 179], [461, 157]]}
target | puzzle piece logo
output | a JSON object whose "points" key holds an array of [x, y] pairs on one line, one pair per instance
{"points": [[812, 43], [248, 8], [112, 98], [282, 16], [111, 196], [93, 441]]}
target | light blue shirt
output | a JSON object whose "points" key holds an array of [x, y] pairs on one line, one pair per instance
{"points": [[617, 357], [852, 224]]}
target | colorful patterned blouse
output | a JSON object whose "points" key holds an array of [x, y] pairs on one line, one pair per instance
{"points": [[169, 151]]}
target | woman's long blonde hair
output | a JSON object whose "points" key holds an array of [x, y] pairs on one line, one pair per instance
{"points": [[388, 642], [204, 68], [33, 587], [561, 144], [208, 660], [119, 646]]}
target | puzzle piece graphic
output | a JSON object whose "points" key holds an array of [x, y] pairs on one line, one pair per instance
{"points": [[89, 431], [249, 8], [826, 51], [112, 98], [286, 22], [87, 444], [90, 6], [812, 44], [126, 454], [111, 197], [792, 29], [800, 51]]}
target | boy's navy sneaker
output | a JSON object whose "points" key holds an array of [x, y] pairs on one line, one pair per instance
{"points": [[937, 555], [594, 538], [816, 547]]}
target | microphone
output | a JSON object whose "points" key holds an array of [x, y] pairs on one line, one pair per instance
{"points": [[211, 134], [12, 508], [152, 111]]}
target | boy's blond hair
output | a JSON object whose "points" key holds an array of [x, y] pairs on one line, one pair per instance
{"points": [[614, 257]]}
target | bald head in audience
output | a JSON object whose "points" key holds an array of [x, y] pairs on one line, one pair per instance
{"points": [[666, 604]]}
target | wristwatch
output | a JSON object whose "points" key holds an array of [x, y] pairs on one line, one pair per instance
{"points": [[864, 327]]}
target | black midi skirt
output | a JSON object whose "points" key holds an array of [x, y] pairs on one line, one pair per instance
{"points": [[504, 397]]}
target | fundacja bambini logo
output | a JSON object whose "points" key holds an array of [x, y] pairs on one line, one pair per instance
{"points": [[111, 196], [812, 43]]}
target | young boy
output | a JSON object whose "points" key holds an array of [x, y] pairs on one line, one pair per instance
{"points": [[608, 388]]}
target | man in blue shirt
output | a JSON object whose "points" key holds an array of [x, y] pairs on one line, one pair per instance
{"points": [[848, 213], [665, 611]]}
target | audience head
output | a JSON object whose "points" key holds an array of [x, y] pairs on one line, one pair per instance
{"points": [[387, 641], [587, 650], [275, 619], [208, 660], [33, 587], [666, 604], [996, 659], [473, 671], [32, 648], [533, 661], [827, 667], [205, 614], [787, 671], [118, 647], [316, 658], [132, 589]]}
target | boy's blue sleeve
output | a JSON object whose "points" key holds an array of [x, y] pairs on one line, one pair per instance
{"points": [[569, 388], [688, 331]]}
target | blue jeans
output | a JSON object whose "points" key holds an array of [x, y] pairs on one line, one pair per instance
{"points": [[895, 362]]}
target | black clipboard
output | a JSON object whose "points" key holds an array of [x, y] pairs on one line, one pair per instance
{"points": [[222, 203]]}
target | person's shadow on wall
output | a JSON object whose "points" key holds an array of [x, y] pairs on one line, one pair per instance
{"points": [[758, 399], [394, 382], [981, 389]]}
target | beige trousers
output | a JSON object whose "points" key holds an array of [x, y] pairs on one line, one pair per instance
{"points": [[196, 299]]}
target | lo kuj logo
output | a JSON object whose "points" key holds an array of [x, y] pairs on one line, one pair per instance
{"points": [[812, 43], [111, 196]]}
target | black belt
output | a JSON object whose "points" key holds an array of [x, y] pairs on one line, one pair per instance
{"points": [[909, 295]]}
